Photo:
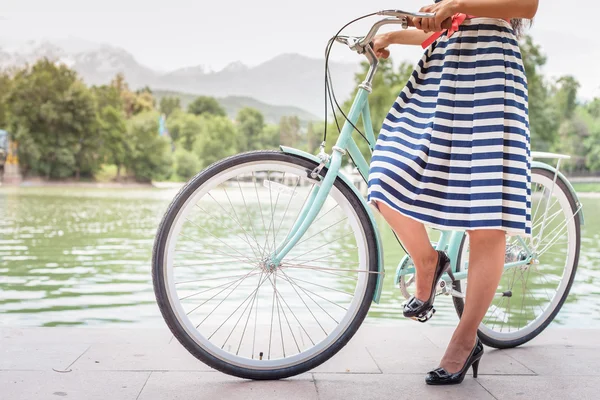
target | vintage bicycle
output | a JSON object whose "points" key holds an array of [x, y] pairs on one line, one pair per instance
{"points": [[266, 263]]}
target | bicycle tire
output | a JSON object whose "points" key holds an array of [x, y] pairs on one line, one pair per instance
{"points": [[158, 266]]}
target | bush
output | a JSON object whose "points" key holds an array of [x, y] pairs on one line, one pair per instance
{"points": [[150, 155], [187, 164]]}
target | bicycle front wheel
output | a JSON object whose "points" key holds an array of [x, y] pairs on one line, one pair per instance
{"points": [[222, 297], [530, 296]]}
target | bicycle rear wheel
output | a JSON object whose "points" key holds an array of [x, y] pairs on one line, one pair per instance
{"points": [[529, 297], [217, 290]]}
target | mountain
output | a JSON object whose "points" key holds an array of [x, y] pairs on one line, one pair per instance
{"points": [[233, 104], [287, 79]]}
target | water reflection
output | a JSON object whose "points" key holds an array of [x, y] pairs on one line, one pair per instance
{"points": [[82, 257]]}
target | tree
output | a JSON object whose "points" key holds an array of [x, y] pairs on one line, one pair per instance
{"points": [[565, 98], [184, 129], [206, 105], [133, 102], [386, 86], [52, 115], [250, 124], [187, 164], [169, 104], [5, 84], [217, 139], [289, 131], [543, 121], [150, 155], [113, 131]]}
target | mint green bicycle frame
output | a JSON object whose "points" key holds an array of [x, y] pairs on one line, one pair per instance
{"points": [[450, 240]]}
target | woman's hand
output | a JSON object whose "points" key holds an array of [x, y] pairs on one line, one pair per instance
{"points": [[380, 45], [443, 10]]}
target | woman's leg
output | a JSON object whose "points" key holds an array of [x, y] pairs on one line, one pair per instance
{"points": [[486, 264], [414, 238]]}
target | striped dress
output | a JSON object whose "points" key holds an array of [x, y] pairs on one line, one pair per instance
{"points": [[454, 150]]}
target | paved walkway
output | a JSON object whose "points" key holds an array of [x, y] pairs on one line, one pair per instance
{"points": [[379, 363]]}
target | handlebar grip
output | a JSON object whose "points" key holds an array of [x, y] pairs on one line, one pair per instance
{"points": [[447, 24]]}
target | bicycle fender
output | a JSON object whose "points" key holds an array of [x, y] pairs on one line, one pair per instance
{"points": [[541, 165], [381, 269]]}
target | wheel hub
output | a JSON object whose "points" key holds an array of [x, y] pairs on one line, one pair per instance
{"points": [[269, 266]]}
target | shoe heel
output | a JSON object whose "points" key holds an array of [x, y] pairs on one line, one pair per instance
{"points": [[449, 272], [475, 368]]}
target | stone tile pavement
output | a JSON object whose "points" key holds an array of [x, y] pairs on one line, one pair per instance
{"points": [[380, 362]]}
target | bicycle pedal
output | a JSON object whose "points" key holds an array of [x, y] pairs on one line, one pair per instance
{"points": [[426, 316]]}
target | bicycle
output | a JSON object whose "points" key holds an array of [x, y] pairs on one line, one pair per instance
{"points": [[266, 262]]}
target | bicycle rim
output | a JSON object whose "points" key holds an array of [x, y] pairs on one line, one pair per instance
{"points": [[529, 297], [242, 312]]}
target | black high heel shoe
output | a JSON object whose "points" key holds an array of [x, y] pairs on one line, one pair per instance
{"points": [[420, 310], [440, 376]]}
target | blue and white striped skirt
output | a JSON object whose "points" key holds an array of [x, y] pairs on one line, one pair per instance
{"points": [[454, 150]]}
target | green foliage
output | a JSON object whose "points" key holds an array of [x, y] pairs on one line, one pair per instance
{"points": [[5, 84], [184, 128], [113, 131], [289, 131], [250, 125], [206, 105], [169, 104], [543, 121], [133, 103], [52, 115], [186, 164], [217, 139], [150, 156], [387, 85]]}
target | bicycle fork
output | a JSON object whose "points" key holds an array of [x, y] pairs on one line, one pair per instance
{"points": [[310, 210]]}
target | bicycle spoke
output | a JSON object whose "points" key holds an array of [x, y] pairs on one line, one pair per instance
{"points": [[329, 269], [216, 287], [287, 207], [237, 218], [248, 214], [262, 217], [280, 296], [240, 253], [324, 287], [292, 283], [218, 275], [212, 216], [323, 245], [188, 313]]}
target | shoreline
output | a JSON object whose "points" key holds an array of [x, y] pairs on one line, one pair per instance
{"points": [[152, 185]]}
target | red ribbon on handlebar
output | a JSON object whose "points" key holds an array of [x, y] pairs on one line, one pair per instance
{"points": [[457, 20]]}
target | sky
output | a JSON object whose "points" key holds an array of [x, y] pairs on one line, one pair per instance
{"points": [[171, 34]]}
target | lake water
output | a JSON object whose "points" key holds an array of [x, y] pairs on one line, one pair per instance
{"points": [[71, 256]]}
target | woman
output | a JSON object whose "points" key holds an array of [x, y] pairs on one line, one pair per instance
{"points": [[454, 153]]}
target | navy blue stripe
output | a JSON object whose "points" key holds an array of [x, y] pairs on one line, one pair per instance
{"points": [[431, 153], [492, 223], [459, 39], [383, 137], [476, 52], [486, 27], [456, 169], [466, 90], [465, 65], [465, 103], [492, 183], [446, 208], [399, 163], [450, 129], [457, 117], [481, 76]]}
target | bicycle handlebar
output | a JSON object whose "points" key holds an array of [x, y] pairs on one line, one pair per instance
{"points": [[399, 17]]}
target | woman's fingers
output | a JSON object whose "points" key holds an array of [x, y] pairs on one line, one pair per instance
{"points": [[417, 22]]}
